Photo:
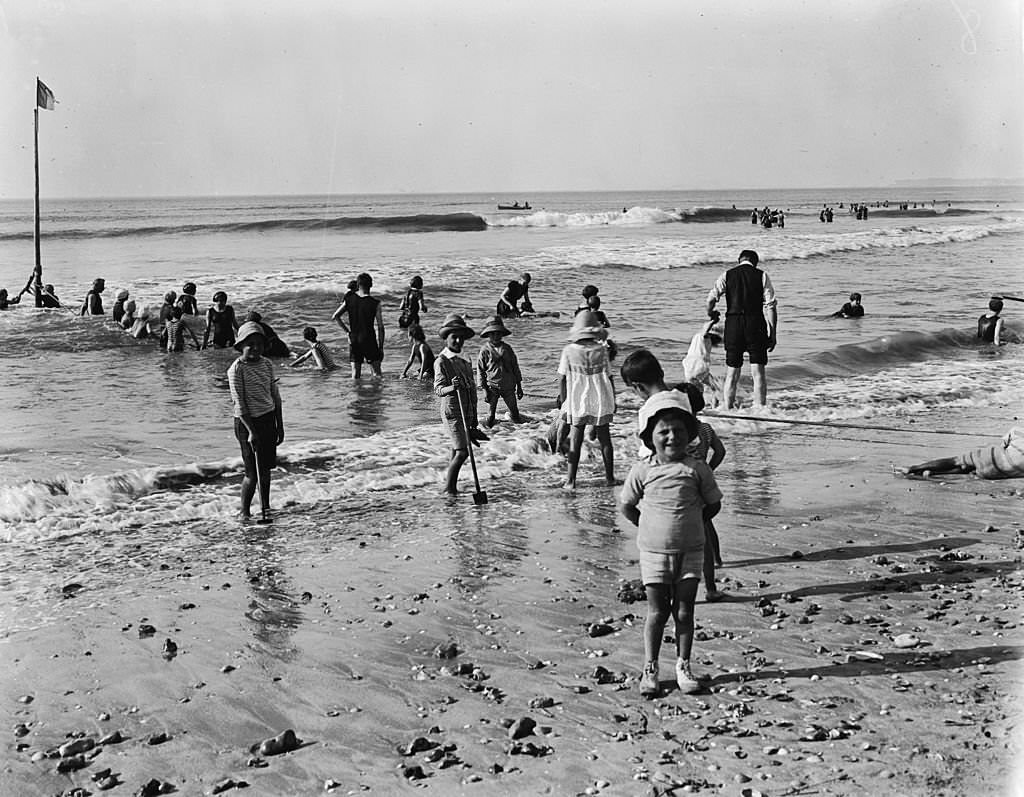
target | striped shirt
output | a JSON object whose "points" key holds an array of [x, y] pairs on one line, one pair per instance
{"points": [[322, 356], [253, 390]]}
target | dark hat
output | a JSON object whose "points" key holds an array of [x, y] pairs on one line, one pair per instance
{"points": [[455, 323], [495, 327]]}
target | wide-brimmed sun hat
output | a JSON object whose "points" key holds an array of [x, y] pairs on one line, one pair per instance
{"points": [[495, 327], [587, 326], [665, 400], [246, 331], [454, 323]]}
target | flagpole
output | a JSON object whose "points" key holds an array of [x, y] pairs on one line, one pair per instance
{"points": [[38, 273]]}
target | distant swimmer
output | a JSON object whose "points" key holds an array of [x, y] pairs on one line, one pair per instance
{"points": [[419, 350], [93, 304], [852, 309], [990, 325]]}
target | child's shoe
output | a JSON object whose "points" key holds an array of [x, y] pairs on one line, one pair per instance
{"points": [[688, 684], [649, 685]]}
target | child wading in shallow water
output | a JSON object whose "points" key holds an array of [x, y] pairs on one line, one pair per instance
{"points": [[669, 496], [498, 370], [586, 393], [259, 422], [454, 385]]}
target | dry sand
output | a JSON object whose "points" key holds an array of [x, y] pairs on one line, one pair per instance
{"points": [[406, 653]]}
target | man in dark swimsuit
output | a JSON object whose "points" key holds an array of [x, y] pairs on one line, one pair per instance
{"points": [[366, 328], [751, 320], [990, 325]]}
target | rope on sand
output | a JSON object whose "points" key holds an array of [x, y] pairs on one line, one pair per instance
{"points": [[832, 425]]}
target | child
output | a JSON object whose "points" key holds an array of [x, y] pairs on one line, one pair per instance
{"points": [[594, 305], [117, 312], [259, 421], [173, 337], [697, 362], [128, 320], [220, 320], [668, 497], [706, 442], [498, 371], [586, 392], [453, 384], [412, 304], [5, 301], [93, 304], [167, 308], [317, 351], [852, 309], [421, 349], [187, 300], [273, 346]]}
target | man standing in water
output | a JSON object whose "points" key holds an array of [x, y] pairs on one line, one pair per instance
{"points": [[751, 321], [366, 344]]}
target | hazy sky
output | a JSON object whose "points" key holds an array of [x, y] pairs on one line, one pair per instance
{"points": [[348, 96]]}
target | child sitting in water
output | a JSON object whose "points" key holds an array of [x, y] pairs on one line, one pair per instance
{"points": [[421, 350], [669, 497], [498, 371], [586, 393], [317, 351]]}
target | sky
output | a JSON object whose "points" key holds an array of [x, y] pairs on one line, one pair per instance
{"points": [[239, 97]]}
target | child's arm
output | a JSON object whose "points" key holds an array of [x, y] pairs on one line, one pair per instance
{"points": [[301, 358], [209, 324], [481, 368], [517, 373], [561, 391], [318, 358], [412, 357], [717, 451], [631, 513], [423, 303]]}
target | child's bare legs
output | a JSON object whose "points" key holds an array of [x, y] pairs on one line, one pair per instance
{"points": [[459, 456], [604, 436], [492, 403], [685, 598], [575, 448], [513, 408], [710, 554], [711, 537], [248, 491], [659, 609]]}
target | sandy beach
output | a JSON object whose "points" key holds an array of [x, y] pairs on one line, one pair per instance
{"points": [[871, 642]]}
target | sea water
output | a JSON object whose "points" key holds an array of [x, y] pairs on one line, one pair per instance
{"points": [[103, 434]]}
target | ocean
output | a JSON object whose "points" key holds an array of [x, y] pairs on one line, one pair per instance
{"points": [[104, 435]]}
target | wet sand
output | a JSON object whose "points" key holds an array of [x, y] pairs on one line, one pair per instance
{"points": [[449, 647]]}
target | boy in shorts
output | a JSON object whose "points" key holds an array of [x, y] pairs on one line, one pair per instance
{"points": [[668, 497], [498, 373]]}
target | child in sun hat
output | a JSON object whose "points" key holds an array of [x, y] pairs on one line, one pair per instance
{"points": [[498, 371], [668, 497], [259, 421], [586, 393], [454, 385]]}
